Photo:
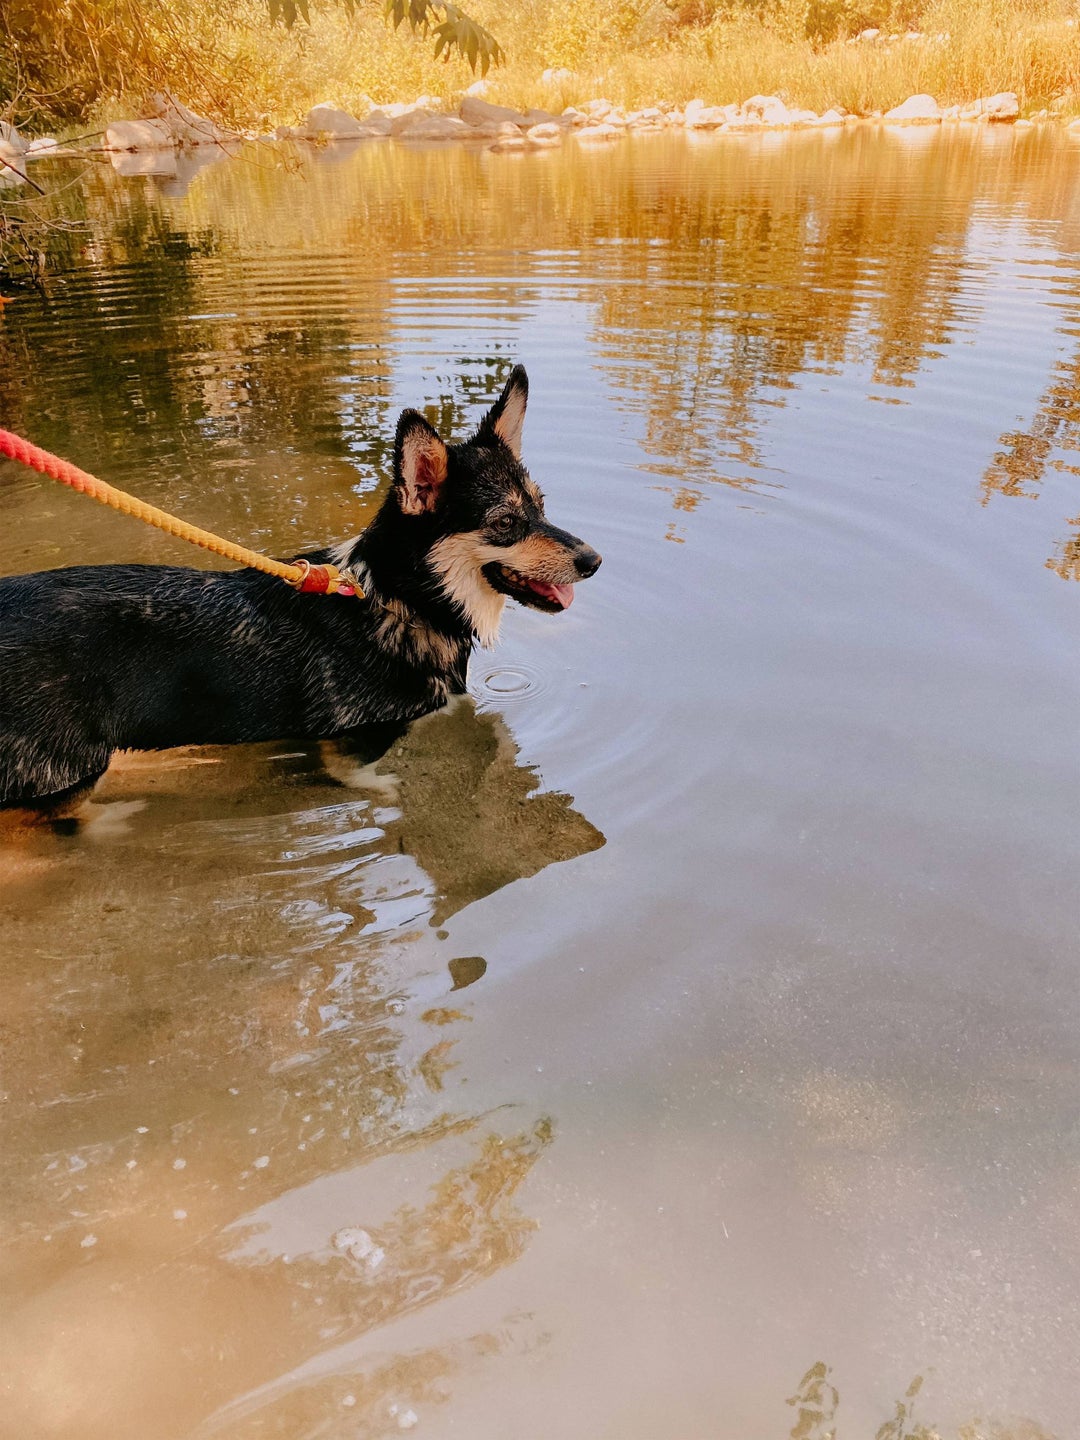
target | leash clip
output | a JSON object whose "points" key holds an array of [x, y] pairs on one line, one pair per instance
{"points": [[324, 580]]}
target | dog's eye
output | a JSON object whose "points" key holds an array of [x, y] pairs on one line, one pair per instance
{"points": [[503, 524]]}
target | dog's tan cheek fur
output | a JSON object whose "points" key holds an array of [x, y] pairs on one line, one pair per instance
{"points": [[458, 562]]}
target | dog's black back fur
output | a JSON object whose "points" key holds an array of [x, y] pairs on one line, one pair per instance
{"points": [[95, 659]]}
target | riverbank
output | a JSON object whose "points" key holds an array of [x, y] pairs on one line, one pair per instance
{"points": [[859, 57], [169, 125]]}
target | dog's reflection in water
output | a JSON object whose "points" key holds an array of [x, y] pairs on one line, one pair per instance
{"points": [[470, 814], [224, 994]]}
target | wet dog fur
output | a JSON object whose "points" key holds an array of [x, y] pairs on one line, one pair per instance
{"points": [[95, 659]]}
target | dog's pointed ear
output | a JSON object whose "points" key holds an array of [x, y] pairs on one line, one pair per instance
{"points": [[420, 464], [507, 416]]}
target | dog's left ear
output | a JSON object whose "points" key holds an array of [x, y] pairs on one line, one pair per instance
{"points": [[507, 416], [420, 463]]}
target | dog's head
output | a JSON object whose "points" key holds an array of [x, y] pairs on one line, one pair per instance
{"points": [[487, 537]]}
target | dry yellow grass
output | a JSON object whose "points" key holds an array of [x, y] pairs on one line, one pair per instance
{"points": [[969, 48], [632, 52]]}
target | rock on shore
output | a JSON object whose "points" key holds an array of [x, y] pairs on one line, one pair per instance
{"points": [[169, 125]]}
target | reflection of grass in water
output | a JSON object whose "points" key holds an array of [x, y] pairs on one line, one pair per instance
{"points": [[816, 1401]]}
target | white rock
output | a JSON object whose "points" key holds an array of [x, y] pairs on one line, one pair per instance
{"points": [[542, 117], [765, 110], [330, 122], [138, 135], [547, 134], [509, 143], [1075, 124], [830, 117], [377, 122], [475, 111], [916, 110], [1023, 124], [408, 120], [442, 127], [1004, 106], [699, 116], [575, 116], [187, 127], [12, 139], [868, 35], [558, 76], [504, 130], [599, 132], [479, 88], [11, 166], [744, 122], [599, 109], [424, 125]]}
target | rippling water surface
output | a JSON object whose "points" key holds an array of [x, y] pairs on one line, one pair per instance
{"points": [[678, 1039]]}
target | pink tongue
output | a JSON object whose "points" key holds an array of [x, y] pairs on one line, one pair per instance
{"points": [[564, 594]]}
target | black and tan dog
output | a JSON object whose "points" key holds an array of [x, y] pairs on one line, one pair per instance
{"points": [[96, 659]]}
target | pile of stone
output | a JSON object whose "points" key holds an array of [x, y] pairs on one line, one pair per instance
{"points": [[171, 126], [924, 110], [504, 128], [601, 120], [500, 126]]}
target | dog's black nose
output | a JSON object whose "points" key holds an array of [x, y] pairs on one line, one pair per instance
{"points": [[586, 562]]}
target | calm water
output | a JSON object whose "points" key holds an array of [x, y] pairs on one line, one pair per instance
{"points": [[679, 1039]]}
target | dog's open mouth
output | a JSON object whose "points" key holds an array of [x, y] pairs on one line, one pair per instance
{"points": [[540, 594]]}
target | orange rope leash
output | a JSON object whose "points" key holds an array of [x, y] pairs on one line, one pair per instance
{"points": [[301, 574]]}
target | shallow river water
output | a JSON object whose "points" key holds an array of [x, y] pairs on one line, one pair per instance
{"points": [[680, 1038]]}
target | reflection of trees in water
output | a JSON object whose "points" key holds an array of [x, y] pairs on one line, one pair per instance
{"points": [[816, 1402], [214, 1003], [1021, 465], [787, 264], [256, 316], [251, 325]]}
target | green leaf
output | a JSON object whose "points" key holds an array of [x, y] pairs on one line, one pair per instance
{"points": [[455, 32]]}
